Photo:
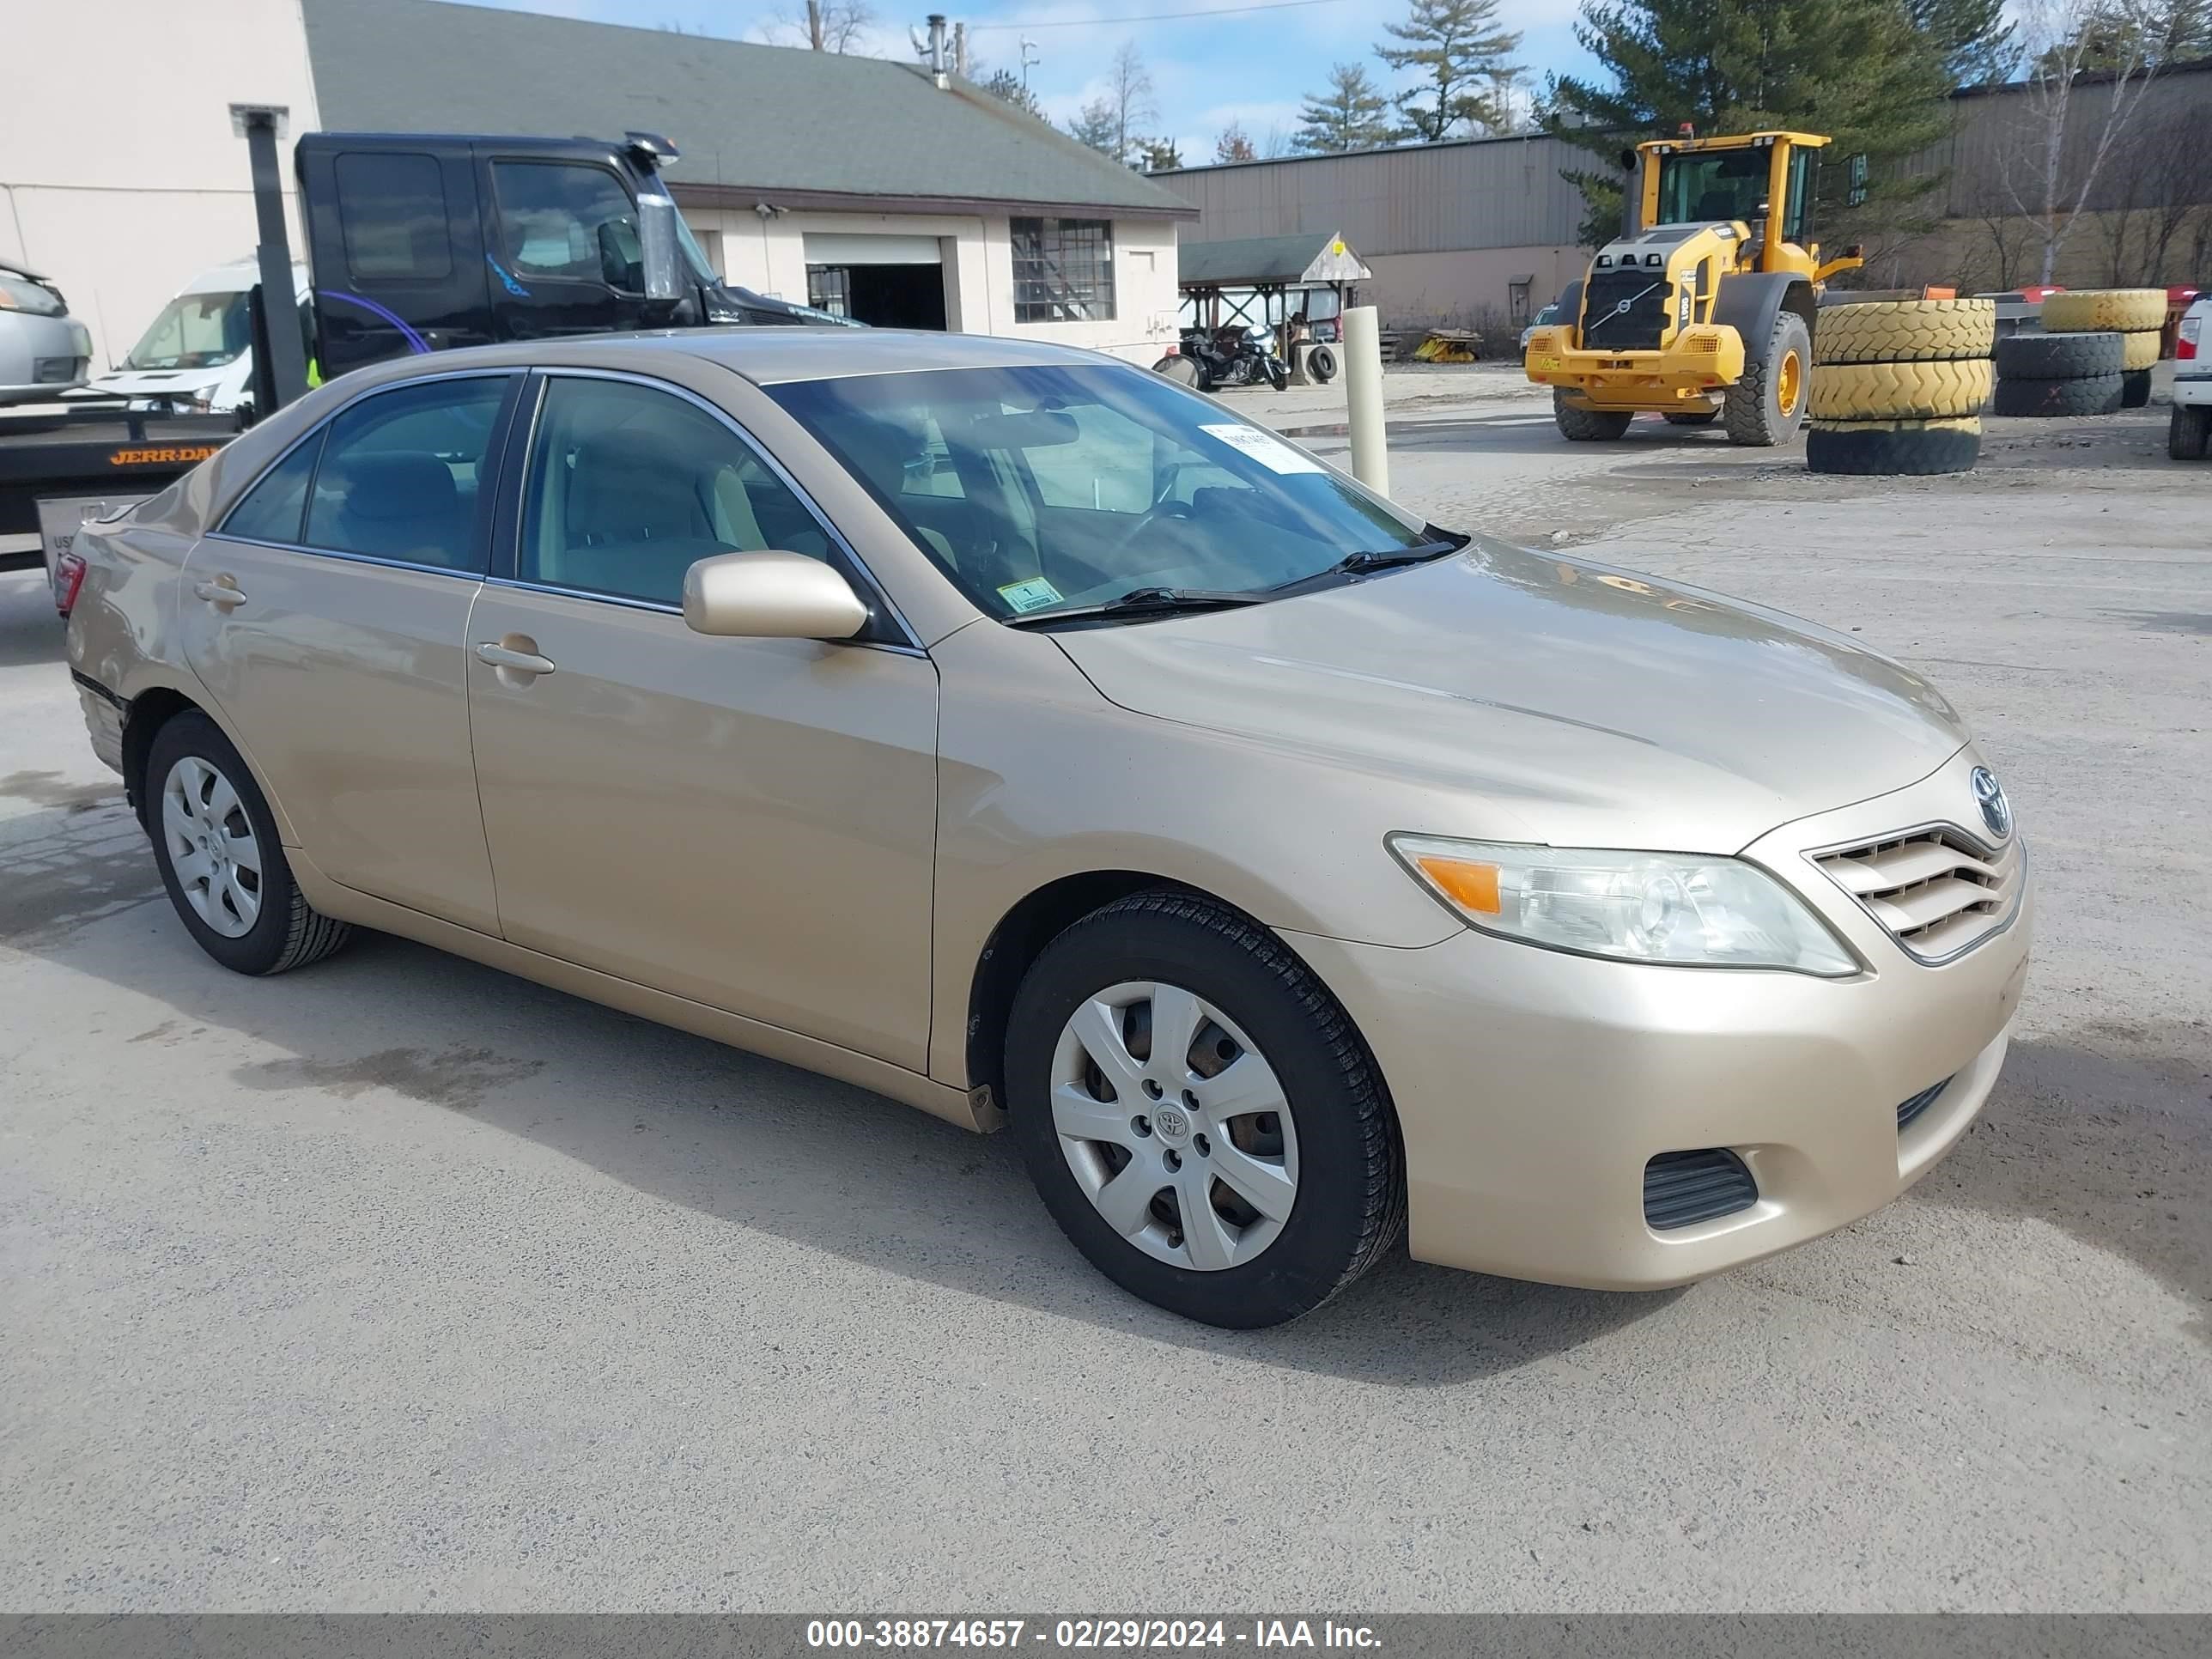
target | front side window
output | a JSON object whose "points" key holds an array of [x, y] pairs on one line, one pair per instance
{"points": [[629, 487], [564, 219], [403, 473], [1704, 185], [1043, 489], [394, 210], [196, 330], [1063, 271], [272, 509]]}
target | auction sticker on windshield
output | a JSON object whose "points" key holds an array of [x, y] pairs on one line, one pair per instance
{"points": [[1264, 448], [1031, 595]]}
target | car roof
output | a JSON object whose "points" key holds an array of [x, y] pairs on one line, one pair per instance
{"points": [[773, 355]]}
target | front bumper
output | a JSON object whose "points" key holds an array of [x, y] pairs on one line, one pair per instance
{"points": [[1696, 367], [1533, 1087]]}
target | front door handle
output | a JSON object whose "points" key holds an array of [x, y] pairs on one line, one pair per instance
{"points": [[221, 594], [527, 663]]}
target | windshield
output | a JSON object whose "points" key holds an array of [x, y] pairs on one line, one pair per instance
{"points": [[696, 256], [1709, 184], [195, 330], [1046, 489]]}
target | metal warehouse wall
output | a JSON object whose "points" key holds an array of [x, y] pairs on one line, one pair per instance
{"points": [[1477, 193]]}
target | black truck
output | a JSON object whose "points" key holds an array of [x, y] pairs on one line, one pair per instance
{"points": [[419, 242]]}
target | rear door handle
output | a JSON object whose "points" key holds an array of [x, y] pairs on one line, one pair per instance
{"points": [[221, 594], [520, 662]]}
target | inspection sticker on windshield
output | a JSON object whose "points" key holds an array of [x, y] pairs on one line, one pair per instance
{"points": [[1032, 595], [1264, 448]]}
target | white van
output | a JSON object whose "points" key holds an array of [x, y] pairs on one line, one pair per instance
{"points": [[197, 355]]}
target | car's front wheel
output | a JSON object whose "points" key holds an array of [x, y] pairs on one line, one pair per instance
{"points": [[1199, 1114], [216, 841]]}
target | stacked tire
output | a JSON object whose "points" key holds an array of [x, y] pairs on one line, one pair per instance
{"points": [[1898, 386], [2138, 315], [2062, 373]]}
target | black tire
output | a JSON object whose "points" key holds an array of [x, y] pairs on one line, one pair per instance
{"points": [[2058, 357], [1906, 449], [2088, 394], [2189, 432], [1278, 376], [287, 933], [1753, 410], [1586, 426], [2135, 388], [1695, 417], [1321, 365], [1182, 370], [1350, 1204], [1205, 374]]}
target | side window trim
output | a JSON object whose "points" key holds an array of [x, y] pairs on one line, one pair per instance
{"points": [[496, 448], [506, 554]]}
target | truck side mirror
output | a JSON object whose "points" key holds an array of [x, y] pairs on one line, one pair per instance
{"points": [[657, 238], [1628, 161], [1855, 172]]}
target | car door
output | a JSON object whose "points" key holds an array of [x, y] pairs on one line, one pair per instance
{"points": [[327, 616], [750, 824], [570, 259]]}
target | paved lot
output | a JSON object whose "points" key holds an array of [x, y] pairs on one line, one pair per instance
{"points": [[398, 1283]]}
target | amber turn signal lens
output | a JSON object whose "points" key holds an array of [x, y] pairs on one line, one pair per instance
{"points": [[1470, 885]]}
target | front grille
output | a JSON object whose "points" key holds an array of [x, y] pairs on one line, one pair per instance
{"points": [[1607, 328], [1935, 890], [1683, 1188], [1909, 1111]]}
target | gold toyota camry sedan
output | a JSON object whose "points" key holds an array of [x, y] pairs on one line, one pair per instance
{"points": [[1020, 735]]}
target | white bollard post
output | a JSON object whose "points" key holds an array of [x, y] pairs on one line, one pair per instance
{"points": [[1362, 395]]}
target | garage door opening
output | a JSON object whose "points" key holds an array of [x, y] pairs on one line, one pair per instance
{"points": [[886, 282]]}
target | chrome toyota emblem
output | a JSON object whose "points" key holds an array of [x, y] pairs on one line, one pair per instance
{"points": [[1989, 796], [1171, 1123]]}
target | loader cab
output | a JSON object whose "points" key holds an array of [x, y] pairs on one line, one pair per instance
{"points": [[1767, 181]]}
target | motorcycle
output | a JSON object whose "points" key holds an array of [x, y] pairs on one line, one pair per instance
{"points": [[1204, 363]]}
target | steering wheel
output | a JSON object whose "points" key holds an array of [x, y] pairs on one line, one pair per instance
{"points": [[1146, 519]]}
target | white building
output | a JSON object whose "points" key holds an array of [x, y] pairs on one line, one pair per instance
{"points": [[866, 186]]}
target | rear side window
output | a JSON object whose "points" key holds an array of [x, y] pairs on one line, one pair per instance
{"points": [[393, 208], [271, 511], [404, 472]]}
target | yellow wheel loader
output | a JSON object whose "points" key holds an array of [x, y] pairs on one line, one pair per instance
{"points": [[1705, 311]]}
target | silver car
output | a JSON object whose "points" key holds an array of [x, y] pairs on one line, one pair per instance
{"points": [[44, 351]]}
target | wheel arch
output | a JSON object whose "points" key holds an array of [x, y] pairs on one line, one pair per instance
{"points": [[153, 707], [1749, 301]]}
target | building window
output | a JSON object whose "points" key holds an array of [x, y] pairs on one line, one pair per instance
{"points": [[829, 288], [1063, 271]]}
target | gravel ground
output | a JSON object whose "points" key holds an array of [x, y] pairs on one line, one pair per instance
{"points": [[400, 1284]]}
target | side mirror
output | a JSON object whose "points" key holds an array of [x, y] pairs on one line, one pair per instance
{"points": [[770, 596], [1628, 161], [662, 258], [1856, 171]]}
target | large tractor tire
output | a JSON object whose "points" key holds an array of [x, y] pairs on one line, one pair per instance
{"points": [[1767, 406], [1587, 426], [2135, 389], [2189, 432], [2096, 310], [2058, 357], [1905, 331], [1693, 417], [1906, 449], [1901, 391], [2140, 349], [2084, 394]]}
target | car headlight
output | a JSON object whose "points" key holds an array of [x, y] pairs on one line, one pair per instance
{"points": [[1668, 907]]}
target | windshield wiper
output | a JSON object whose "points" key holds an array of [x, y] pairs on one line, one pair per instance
{"points": [[1360, 564], [1141, 602]]}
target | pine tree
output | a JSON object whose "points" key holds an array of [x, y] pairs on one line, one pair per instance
{"points": [[1160, 155], [1095, 124], [1460, 55], [1979, 46], [1858, 70], [1350, 115], [1007, 86]]}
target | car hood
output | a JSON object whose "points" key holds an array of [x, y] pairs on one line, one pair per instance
{"points": [[167, 382], [1566, 701]]}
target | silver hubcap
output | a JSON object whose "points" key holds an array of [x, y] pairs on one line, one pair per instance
{"points": [[1175, 1126], [212, 846]]}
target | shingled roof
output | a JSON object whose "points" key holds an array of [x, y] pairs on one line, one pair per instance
{"points": [[754, 123]]}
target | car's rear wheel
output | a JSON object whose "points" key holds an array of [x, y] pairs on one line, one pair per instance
{"points": [[216, 842], [1198, 1114], [2189, 431]]}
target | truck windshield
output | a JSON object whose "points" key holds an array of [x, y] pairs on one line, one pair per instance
{"points": [[695, 256], [195, 330], [1710, 184]]}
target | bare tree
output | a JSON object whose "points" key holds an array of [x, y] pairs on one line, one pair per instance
{"points": [[829, 25], [1233, 145], [1129, 90], [2065, 141], [1276, 144]]}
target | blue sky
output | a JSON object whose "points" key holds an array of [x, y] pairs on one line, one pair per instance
{"points": [[1252, 66]]}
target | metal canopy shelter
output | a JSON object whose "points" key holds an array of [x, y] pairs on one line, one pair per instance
{"points": [[1271, 268]]}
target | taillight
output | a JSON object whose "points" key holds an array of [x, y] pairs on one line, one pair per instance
{"points": [[2184, 340], [68, 576]]}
